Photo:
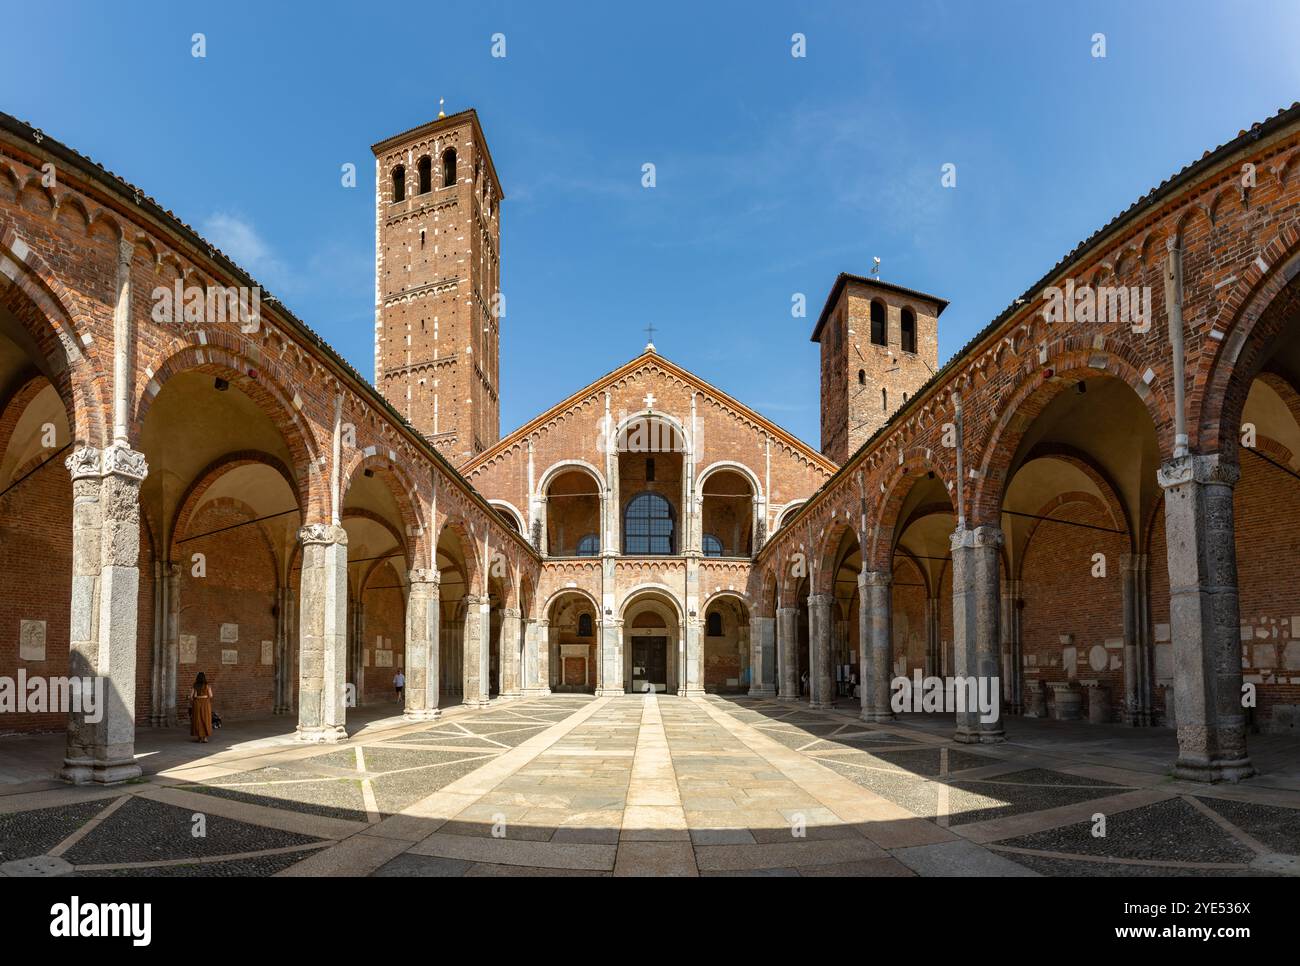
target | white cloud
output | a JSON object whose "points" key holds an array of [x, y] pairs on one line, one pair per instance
{"points": [[239, 239]]}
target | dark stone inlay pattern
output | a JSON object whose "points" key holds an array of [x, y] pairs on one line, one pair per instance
{"points": [[1044, 776], [143, 830], [1076, 869], [261, 865], [1171, 831], [1272, 825], [25, 835], [332, 798]]}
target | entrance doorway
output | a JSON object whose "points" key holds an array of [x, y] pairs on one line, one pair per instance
{"points": [[649, 664]]}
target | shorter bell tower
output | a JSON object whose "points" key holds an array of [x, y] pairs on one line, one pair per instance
{"points": [[879, 344]]}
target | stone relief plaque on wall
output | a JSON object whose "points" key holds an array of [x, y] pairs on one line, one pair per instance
{"points": [[229, 655], [229, 633], [383, 658], [31, 641], [189, 649], [268, 652]]}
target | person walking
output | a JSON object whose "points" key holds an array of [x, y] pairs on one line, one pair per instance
{"points": [[201, 709], [399, 684]]}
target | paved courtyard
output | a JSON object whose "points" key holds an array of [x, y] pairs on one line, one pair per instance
{"points": [[653, 785]]}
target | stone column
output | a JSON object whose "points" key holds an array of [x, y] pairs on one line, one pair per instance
{"points": [[610, 679], [164, 672], [876, 634], [762, 643], [746, 651], [690, 679], [1137, 678], [933, 638], [282, 670], [477, 653], [356, 673], [511, 652], [422, 656], [537, 657], [105, 594], [543, 655], [1012, 660], [821, 674], [975, 607], [1204, 618], [787, 643], [323, 640]]}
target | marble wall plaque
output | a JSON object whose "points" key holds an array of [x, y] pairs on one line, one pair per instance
{"points": [[189, 649], [268, 652], [383, 658], [31, 641], [229, 655], [229, 633]]}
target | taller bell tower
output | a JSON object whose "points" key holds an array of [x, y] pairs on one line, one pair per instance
{"points": [[437, 282]]}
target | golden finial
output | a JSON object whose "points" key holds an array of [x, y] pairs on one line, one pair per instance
{"points": [[441, 112]]}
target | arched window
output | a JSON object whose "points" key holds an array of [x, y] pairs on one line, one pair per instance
{"points": [[909, 331], [712, 545], [648, 525], [448, 167], [884, 400], [714, 624], [589, 546], [878, 331], [862, 377], [584, 625], [399, 184], [424, 168]]}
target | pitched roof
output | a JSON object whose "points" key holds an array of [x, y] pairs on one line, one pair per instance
{"points": [[845, 277], [650, 355]]}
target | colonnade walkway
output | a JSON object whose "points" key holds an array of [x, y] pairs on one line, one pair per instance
{"points": [[655, 784]]}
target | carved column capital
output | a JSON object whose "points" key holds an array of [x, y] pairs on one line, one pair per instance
{"points": [[1211, 468], [425, 575], [83, 463], [323, 533], [119, 460]]}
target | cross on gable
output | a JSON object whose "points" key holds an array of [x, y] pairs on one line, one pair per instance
{"points": [[649, 400]]}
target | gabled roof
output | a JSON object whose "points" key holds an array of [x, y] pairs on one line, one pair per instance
{"points": [[649, 356], [845, 277]]}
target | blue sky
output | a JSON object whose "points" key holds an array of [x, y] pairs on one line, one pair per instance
{"points": [[773, 173]]}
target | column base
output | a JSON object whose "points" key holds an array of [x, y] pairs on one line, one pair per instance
{"points": [[86, 771], [424, 714], [788, 699], [322, 734], [691, 692], [762, 692], [536, 692], [511, 695], [822, 705], [610, 692], [1199, 769], [878, 717]]}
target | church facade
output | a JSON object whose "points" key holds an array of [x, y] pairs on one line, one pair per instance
{"points": [[1095, 512]]}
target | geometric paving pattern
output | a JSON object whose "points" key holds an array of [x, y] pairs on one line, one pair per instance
{"points": [[576, 785]]}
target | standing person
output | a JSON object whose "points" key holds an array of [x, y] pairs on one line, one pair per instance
{"points": [[201, 709], [399, 684]]}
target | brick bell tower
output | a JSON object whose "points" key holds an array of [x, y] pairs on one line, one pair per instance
{"points": [[880, 343], [437, 279]]}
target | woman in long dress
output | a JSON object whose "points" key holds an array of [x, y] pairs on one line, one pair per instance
{"points": [[201, 708]]}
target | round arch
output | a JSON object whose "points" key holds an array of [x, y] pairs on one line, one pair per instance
{"points": [[1030, 397]]}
